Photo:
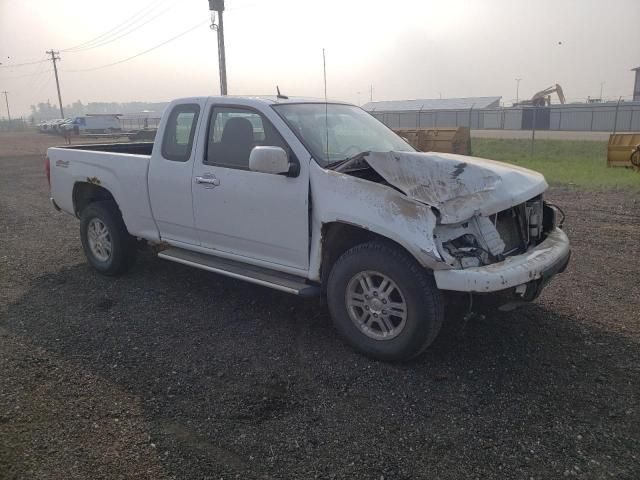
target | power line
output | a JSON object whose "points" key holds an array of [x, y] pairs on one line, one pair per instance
{"points": [[118, 28], [43, 72], [40, 69], [143, 52], [40, 85], [24, 64], [121, 34], [27, 75]]}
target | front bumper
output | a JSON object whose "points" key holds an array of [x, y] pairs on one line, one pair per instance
{"points": [[540, 262]]}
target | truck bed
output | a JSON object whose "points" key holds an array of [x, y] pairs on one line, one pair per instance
{"points": [[119, 168], [132, 148]]}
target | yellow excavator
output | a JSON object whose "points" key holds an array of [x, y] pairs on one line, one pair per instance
{"points": [[543, 97]]}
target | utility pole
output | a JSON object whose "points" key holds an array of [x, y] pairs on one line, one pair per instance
{"points": [[6, 99], [371, 93], [518, 89], [218, 7], [55, 57], [601, 85]]}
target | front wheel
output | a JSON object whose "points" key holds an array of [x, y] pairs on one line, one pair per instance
{"points": [[383, 302], [106, 242]]}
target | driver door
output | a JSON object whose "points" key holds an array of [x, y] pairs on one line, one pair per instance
{"points": [[259, 216]]}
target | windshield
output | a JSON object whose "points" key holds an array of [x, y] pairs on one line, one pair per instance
{"points": [[334, 132]]}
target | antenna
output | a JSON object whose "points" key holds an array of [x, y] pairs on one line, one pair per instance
{"points": [[284, 97], [326, 105]]}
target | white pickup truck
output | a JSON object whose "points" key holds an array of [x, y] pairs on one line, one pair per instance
{"points": [[316, 198]]}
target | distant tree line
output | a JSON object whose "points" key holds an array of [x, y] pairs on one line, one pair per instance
{"points": [[47, 111]]}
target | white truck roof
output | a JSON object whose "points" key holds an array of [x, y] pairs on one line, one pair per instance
{"points": [[260, 99]]}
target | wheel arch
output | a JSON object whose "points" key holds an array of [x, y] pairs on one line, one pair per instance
{"points": [[85, 193], [337, 237]]}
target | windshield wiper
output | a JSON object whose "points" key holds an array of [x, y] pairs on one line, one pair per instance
{"points": [[354, 158]]}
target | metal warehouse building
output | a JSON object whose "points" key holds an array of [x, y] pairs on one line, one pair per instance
{"points": [[433, 104], [430, 112]]}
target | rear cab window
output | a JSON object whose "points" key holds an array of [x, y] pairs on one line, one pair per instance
{"points": [[179, 132]]}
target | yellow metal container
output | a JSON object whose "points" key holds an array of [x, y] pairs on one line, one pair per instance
{"points": [[620, 150], [446, 140]]}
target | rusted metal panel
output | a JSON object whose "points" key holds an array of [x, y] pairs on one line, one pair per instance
{"points": [[620, 149], [446, 140]]}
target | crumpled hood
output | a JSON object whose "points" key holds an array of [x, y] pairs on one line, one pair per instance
{"points": [[458, 186]]}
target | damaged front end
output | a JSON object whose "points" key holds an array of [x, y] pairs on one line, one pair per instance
{"points": [[494, 232], [484, 240], [499, 252]]}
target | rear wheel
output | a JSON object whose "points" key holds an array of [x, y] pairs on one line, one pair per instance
{"points": [[106, 242], [383, 303]]}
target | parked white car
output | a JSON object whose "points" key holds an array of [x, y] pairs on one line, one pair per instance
{"points": [[50, 126], [316, 199]]}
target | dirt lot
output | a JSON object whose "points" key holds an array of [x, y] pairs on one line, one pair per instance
{"points": [[31, 143], [170, 372]]}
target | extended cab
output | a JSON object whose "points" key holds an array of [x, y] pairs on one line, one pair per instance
{"points": [[316, 198]]}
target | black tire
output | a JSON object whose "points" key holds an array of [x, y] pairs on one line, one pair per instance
{"points": [[123, 246], [423, 300]]}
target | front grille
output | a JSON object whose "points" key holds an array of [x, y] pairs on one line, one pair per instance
{"points": [[508, 225], [520, 226], [491, 239]]}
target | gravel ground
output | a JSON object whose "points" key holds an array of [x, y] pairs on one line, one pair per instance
{"points": [[170, 372]]}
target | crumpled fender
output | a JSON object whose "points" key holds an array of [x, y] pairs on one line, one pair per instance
{"points": [[457, 186], [339, 197]]}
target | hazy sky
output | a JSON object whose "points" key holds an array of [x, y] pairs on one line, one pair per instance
{"points": [[405, 49]]}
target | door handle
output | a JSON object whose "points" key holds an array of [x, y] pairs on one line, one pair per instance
{"points": [[211, 181]]}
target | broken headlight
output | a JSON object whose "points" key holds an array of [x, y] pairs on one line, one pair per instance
{"points": [[473, 243], [534, 215], [467, 251], [552, 217]]}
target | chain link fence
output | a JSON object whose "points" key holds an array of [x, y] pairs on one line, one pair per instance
{"points": [[139, 123], [13, 125], [606, 117]]}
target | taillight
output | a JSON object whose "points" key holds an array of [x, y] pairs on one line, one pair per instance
{"points": [[47, 169]]}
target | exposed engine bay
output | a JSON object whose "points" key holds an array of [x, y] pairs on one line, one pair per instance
{"points": [[485, 240]]}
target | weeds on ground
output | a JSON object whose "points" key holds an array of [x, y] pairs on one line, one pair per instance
{"points": [[562, 162]]}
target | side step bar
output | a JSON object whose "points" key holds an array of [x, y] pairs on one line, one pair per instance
{"points": [[250, 273]]}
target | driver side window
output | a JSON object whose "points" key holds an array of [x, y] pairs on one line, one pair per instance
{"points": [[233, 132]]}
